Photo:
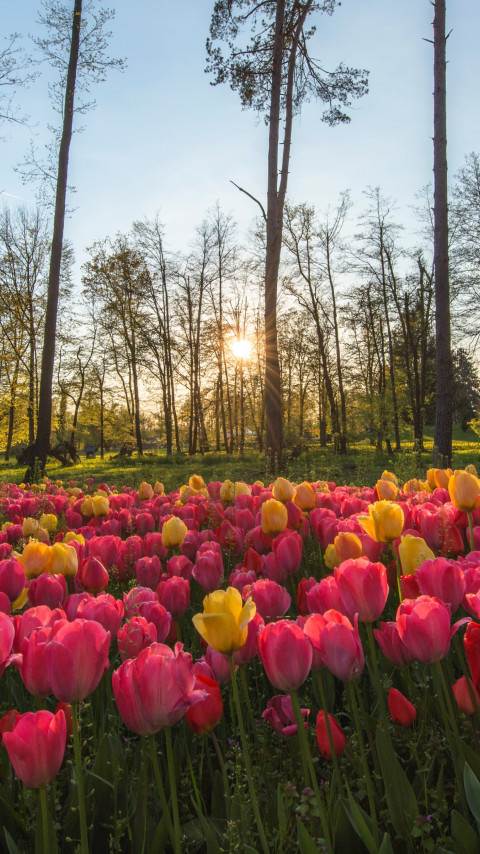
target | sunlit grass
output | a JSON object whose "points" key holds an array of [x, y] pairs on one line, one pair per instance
{"points": [[361, 466]]}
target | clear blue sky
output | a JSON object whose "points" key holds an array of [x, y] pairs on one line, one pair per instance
{"points": [[163, 139]]}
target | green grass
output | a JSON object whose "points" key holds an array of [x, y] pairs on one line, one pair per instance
{"points": [[361, 466]]}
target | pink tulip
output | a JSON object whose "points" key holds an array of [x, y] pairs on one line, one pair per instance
{"points": [[444, 579], [31, 619], [135, 598], [271, 599], [50, 590], [208, 569], [409, 586], [341, 647], [181, 566], [280, 715], [325, 596], [157, 614], [104, 609], [286, 654], [174, 595], [153, 545], [424, 627], [93, 576], [466, 696], [36, 746], [363, 587], [77, 658], [287, 548], [239, 578], [12, 578], [33, 669], [148, 571], [392, 645], [136, 634], [106, 549], [72, 604], [249, 649], [313, 627], [219, 665], [155, 689]]}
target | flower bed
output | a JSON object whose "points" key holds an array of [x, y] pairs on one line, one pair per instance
{"points": [[236, 667]]}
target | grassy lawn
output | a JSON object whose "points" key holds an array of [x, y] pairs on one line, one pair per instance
{"points": [[361, 466]]}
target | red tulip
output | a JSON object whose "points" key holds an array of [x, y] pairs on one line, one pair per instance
{"points": [[280, 715], [208, 569], [287, 548], [401, 709], [77, 658], [325, 596], [363, 587], [180, 566], [205, 715], [471, 643], [93, 576], [134, 599], [107, 549], [466, 696], [50, 590], [157, 614], [36, 746], [249, 649], [286, 654], [323, 738], [148, 571], [303, 588]]}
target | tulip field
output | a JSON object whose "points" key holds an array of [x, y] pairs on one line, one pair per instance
{"points": [[241, 667]]}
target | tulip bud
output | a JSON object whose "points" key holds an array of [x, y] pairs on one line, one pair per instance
{"points": [[401, 709], [336, 735]]}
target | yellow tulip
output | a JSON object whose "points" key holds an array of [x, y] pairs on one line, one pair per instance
{"points": [[86, 507], [35, 559], [471, 469], [348, 546], [49, 521], [389, 476], [6, 526], [304, 496], [464, 489], [186, 492], [242, 488], [259, 483], [227, 491], [442, 476], [224, 622], [100, 505], [71, 536], [21, 601], [330, 558], [387, 490], [197, 482], [30, 526], [158, 489], [274, 517], [63, 560], [174, 532], [412, 551], [384, 522], [283, 490], [415, 485], [145, 491]]}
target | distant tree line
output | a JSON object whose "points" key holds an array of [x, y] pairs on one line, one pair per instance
{"points": [[151, 353]]}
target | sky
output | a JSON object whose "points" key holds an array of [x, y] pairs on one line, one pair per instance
{"points": [[163, 140]]}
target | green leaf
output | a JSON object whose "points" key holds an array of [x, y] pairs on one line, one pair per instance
{"points": [[281, 817], [464, 836], [306, 845], [472, 791], [359, 821], [11, 844], [208, 832], [401, 800], [161, 838], [386, 846]]}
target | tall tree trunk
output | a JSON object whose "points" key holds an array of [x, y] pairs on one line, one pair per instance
{"points": [[443, 358], [44, 424]]}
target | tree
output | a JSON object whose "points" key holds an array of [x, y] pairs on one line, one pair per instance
{"points": [[274, 73], [443, 357], [14, 73], [84, 43]]}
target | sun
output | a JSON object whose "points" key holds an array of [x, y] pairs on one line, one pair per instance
{"points": [[240, 348]]}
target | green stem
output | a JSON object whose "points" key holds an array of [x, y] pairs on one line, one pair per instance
{"points": [[226, 786], [246, 759], [470, 528], [144, 772], [323, 700], [399, 573], [305, 747], [246, 698], [44, 810], [161, 790], [80, 794], [363, 757], [376, 678], [453, 738], [177, 844]]}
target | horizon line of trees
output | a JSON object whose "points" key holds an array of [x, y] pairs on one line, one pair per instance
{"points": [[150, 347]]}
